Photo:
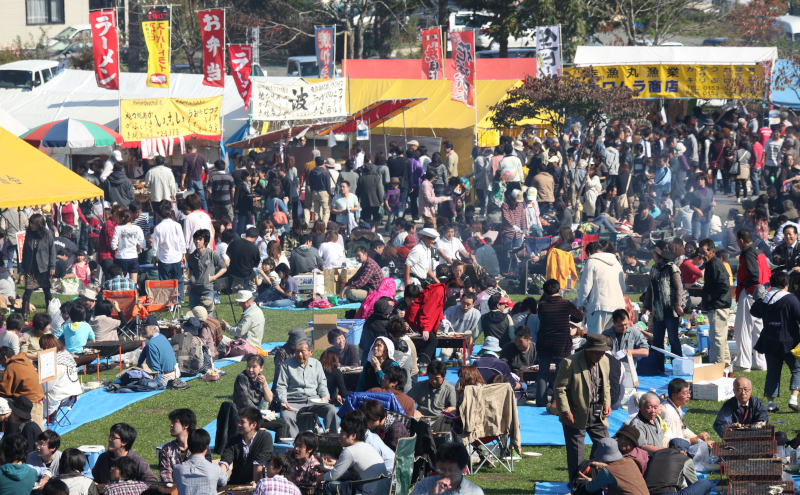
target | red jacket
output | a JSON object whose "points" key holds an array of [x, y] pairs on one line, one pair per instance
{"points": [[427, 311], [753, 270]]}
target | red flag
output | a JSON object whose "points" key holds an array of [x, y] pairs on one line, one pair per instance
{"points": [[213, 29], [462, 87], [105, 48], [432, 53], [241, 68]]}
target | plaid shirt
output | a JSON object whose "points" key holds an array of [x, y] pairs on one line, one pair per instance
{"points": [[511, 218], [368, 277], [104, 251], [126, 488], [277, 485], [170, 457], [119, 283], [466, 488], [303, 474]]}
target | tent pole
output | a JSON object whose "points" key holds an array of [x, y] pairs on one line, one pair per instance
{"points": [[475, 88], [405, 135], [385, 146]]}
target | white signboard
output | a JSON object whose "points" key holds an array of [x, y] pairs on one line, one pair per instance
{"points": [[301, 101], [548, 50]]}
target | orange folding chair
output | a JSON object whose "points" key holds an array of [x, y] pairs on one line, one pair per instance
{"points": [[129, 307], [162, 295]]}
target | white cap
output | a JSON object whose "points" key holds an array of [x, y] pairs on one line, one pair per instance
{"points": [[429, 233], [244, 296], [117, 155], [516, 193]]}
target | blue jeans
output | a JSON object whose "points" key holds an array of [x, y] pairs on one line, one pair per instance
{"points": [[281, 303], [604, 223], [670, 327], [541, 381], [172, 271], [700, 487], [700, 229], [508, 245], [755, 176], [196, 186], [195, 295], [772, 384], [240, 223], [403, 200], [12, 254], [535, 231]]}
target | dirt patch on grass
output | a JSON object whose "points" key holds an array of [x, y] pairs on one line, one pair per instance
{"points": [[154, 411]]}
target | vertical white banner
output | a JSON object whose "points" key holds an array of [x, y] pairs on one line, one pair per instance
{"points": [[256, 40], [548, 51]]}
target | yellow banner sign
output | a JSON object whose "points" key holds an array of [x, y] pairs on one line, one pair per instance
{"points": [[156, 35], [683, 81], [171, 117]]}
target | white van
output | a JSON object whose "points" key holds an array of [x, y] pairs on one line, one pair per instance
{"points": [[26, 74], [789, 25], [305, 66]]}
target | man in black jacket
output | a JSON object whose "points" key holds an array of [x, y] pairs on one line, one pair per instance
{"points": [[716, 298], [606, 209], [370, 194], [243, 468], [400, 167], [742, 408], [787, 257]]}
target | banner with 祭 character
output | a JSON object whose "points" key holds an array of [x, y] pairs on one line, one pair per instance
{"points": [[432, 54], [462, 87], [157, 37], [212, 26], [105, 48]]}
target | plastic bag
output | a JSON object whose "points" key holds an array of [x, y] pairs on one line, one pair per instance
{"points": [[687, 350], [54, 307], [70, 286], [702, 458]]}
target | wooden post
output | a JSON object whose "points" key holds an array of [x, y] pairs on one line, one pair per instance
{"points": [[120, 358]]}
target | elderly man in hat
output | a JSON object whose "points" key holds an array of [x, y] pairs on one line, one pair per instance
{"points": [[284, 352], [418, 262], [583, 399], [628, 440], [301, 387], [620, 474], [490, 364], [157, 355], [251, 326]]}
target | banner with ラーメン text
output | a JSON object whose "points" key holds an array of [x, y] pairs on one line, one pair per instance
{"points": [[156, 35], [165, 117], [298, 101], [105, 48], [683, 81]]}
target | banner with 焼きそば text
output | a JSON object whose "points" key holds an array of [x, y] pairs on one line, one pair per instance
{"points": [[164, 117], [683, 81]]}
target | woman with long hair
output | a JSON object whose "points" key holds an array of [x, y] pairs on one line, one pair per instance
{"points": [[333, 375], [441, 174], [275, 253], [38, 261], [318, 233], [66, 383], [467, 376], [274, 202], [266, 233]]}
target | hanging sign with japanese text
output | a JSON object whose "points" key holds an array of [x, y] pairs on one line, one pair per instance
{"points": [[432, 54], [682, 81], [156, 34], [548, 51], [241, 68], [462, 87], [299, 101], [105, 48], [213, 29], [324, 40], [165, 117]]}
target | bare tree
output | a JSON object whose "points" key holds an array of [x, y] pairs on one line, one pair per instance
{"points": [[637, 17]]}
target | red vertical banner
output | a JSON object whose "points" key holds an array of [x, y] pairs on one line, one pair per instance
{"points": [[462, 87], [432, 63], [105, 48], [324, 40], [241, 57], [213, 29]]}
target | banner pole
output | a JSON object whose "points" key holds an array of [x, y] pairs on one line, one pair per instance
{"points": [[443, 42], [475, 87], [169, 62], [222, 105]]}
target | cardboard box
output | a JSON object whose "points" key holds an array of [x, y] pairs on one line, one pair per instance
{"points": [[344, 276], [310, 282], [331, 277], [717, 390], [683, 366], [322, 324], [707, 371]]}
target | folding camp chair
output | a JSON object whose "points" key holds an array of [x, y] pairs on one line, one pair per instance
{"points": [[130, 308], [162, 295], [585, 240], [59, 417], [403, 469]]}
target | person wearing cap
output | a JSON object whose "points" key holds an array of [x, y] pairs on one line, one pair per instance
{"points": [[497, 323], [88, 299], [532, 214], [679, 394], [481, 167], [628, 440], [582, 396], [251, 325], [301, 387], [670, 469], [619, 474], [418, 262], [157, 356], [662, 299], [753, 271], [108, 166], [319, 184]]}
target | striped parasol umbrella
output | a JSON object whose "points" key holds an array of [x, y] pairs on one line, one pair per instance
{"points": [[71, 133]]}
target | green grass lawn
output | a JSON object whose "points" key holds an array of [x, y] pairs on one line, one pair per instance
{"points": [[150, 416]]}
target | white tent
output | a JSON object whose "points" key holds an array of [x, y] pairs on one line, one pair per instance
{"points": [[11, 124], [673, 55], [74, 93]]}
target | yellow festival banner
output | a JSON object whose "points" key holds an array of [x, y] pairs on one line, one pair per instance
{"points": [[171, 117], [156, 34], [683, 81]]}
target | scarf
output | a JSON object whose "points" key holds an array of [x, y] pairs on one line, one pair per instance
{"points": [[661, 283]]}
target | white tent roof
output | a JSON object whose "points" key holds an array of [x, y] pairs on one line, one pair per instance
{"points": [[673, 55], [11, 124], [74, 94]]}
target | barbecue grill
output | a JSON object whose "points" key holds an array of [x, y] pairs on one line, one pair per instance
{"points": [[753, 469], [749, 449], [766, 432], [113, 348], [759, 487]]}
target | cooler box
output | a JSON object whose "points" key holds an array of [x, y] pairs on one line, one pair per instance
{"points": [[308, 283], [717, 390], [355, 327]]}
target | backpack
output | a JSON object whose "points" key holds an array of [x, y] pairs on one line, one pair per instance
{"points": [[189, 352], [279, 217]]}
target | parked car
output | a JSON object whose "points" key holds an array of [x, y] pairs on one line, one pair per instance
{"points": [[26, 74], [480, 22], [71, 50], [70, 35], [512, 53], [305, 66]]}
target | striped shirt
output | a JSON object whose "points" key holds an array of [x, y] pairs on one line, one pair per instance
{"points": [[221, 186], [554, 340]]}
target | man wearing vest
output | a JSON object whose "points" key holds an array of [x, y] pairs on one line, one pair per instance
{"points": [[671, 468], [753, 271]]}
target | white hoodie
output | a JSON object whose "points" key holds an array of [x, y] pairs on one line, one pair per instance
{"points": [[602, 284]]}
